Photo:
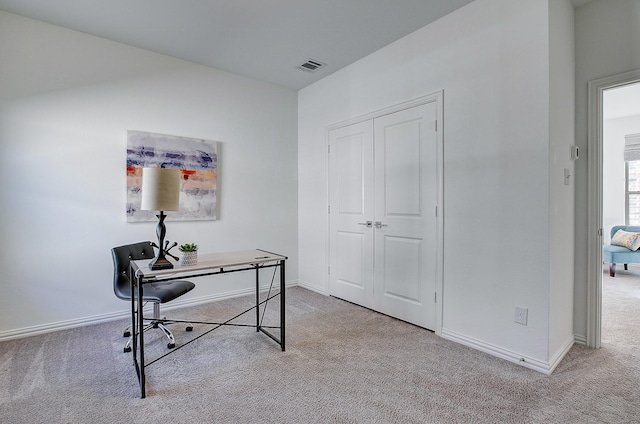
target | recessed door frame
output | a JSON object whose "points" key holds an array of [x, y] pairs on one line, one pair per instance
{"points": [[438, 98], [594, 200]]}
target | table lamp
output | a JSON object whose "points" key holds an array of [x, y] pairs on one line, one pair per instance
{"points": [[160, 192]]}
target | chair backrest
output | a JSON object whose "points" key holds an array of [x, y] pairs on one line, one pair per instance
{"points": [[122, 256]]}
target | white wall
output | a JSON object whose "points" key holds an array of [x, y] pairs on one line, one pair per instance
{"points": [[613, 169], [66, 102], [607, 34], [491, 58], [562, 196]]}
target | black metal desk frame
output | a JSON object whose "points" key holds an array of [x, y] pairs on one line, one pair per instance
{"points": [[249, 260]]}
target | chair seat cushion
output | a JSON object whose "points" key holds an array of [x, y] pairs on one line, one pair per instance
{"points": [[166, 291], [619, 255], [616, 249]]}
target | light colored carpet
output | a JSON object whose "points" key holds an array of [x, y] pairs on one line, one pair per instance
{"points": [[343, 364]]}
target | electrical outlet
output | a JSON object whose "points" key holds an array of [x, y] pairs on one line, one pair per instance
{"points": [[521, 315]]}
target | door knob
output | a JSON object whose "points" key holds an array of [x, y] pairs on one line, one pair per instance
{"points": [[379, 224], [367, 224]]}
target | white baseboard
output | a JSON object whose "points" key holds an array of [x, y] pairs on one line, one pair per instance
{"points": [[96, 319], [516, 358], [313, 287], [60, 325], [561, 353], [580, 339]]}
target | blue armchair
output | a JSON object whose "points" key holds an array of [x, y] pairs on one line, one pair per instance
{"points": [[613, 255]]}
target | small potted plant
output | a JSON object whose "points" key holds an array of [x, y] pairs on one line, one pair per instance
{"points": [[189, 254]]}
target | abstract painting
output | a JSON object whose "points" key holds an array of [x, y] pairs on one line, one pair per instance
{"points": [[198, 162]]}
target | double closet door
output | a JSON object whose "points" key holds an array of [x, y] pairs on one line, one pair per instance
{"points": [[383, 194]]}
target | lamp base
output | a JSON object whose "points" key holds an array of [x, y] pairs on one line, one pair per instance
{"points": [[160, 263]]}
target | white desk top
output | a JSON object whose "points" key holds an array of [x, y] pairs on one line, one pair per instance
{"points": [[208, 261]]}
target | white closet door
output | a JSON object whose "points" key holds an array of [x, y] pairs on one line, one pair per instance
{"points": [[383, 228], [405, 223], [351, 206]]}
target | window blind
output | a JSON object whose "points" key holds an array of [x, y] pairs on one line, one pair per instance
{"points": [[631, 147]]}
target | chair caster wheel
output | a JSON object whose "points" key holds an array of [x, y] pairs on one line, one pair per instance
{"points": [[171, 345], [127, 349], [189, 328], [126, 334]]}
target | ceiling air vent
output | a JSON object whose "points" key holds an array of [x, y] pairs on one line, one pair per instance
{"points": [[311, 65]]}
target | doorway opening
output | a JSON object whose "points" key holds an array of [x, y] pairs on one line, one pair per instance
{"points": [[604, 103], [621, 206]]}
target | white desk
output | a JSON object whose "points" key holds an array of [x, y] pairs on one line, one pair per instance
{"points": [[208, 264]]}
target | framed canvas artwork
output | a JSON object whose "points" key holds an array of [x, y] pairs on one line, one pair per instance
{"points": [[197, 160]]}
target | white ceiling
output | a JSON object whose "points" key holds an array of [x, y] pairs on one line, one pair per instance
{"points": [[262, 39]]}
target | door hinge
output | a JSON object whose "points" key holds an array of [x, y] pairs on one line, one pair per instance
{"points": [[329, 270], [436, 124], [600, 232], [435, 297], [436, 211], [328, 209], [329, 148]]}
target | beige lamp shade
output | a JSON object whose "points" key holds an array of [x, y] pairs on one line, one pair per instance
{"points": [[160, 189]]}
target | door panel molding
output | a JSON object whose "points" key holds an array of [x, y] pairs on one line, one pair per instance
{"points": [[350, 266], [406, 184]]}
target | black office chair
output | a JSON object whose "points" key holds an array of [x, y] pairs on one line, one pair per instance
{"points": [[157, 293]]}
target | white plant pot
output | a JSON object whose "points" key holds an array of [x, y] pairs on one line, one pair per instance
{"points": [[189, 258]]}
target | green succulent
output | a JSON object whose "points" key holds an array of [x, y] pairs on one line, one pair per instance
{"points": [[188, 247]]}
